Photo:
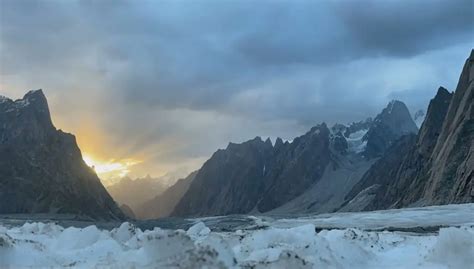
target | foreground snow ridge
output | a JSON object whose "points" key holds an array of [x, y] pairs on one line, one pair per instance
{"points": [[46, 245]]}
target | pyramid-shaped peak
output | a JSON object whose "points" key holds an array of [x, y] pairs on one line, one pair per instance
{"points": [[442, 92], [397, 117], [396, 105]]}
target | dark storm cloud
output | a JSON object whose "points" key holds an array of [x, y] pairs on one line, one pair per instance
{"points": [[179, 70]]}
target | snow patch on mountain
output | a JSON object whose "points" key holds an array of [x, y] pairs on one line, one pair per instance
{"points": [[355, 141]]}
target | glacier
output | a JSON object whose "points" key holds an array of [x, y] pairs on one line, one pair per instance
{"points": [[428, 237]]}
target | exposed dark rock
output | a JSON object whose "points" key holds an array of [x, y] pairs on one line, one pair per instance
{"points": [[381, 175], [230, 182], [452, 160], [394, 122], [255, 174], [438, 168], [295, 168], [278, 143], [41, 168], [339, 143], [432, 166]]}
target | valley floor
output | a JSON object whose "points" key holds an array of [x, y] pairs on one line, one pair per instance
{"points": [[430, 237]]}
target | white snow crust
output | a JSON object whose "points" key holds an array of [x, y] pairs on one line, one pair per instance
{"points": [[279, 244]]}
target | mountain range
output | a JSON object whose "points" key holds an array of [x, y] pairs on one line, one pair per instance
{"points": [[373, 164], [390, 161]]}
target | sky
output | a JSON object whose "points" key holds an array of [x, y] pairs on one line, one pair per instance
{"points": [[155, 87]]}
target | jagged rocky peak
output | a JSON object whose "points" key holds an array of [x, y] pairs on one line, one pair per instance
{"points": [[338, 127], [397, 117], [361, 126], [453, 155], [320, 130], [393, 122], [29, 117], [431, 128], [268, 142], [339, 143], [436, 167], [278, 143], [41, 168]]}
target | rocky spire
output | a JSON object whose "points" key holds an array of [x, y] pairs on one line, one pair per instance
{"points": [[393, 122]]}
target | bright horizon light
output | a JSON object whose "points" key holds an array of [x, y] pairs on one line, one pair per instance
{"points": [[111, 168]]}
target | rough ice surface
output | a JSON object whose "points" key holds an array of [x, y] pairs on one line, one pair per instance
{"points": [[286, 243]]}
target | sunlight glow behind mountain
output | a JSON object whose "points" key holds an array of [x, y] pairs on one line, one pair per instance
{"points": [[110, 169]]}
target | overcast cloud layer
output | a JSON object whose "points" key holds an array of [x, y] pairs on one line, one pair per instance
{"points": [[169, 82]]}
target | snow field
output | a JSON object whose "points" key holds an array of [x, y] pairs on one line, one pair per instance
{"points": [[46, 245]]}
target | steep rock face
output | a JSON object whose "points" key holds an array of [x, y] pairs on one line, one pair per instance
{"points": [[258, 177], [295, 167], [432, 126], [453, 155], [230, 182], [438, 168], [163, 204], [41, 168], [394, 122], [378, 179]]}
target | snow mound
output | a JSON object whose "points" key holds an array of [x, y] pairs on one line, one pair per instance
{"points": [[454, 248], [48, 245]]}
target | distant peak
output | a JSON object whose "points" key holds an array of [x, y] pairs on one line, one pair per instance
{"points": [[36, 97], [395, 103], [33, 92], [268, 141], [442, 92], [395, 106], [278, 142]]}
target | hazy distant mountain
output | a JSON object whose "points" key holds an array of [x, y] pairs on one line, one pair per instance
{"points": [[419, 117], [135, 192], [41, 168], [434, 167], [128, 211], [163, 204], [312, 173]]}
